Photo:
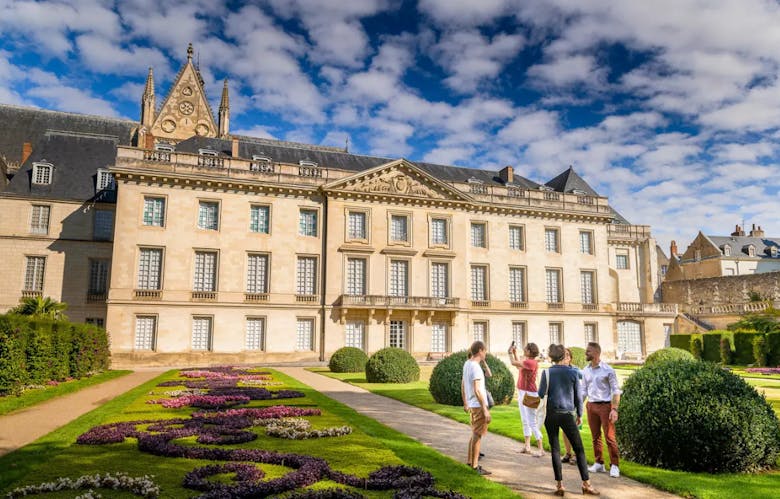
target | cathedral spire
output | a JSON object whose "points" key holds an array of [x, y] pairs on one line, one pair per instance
{"points": [[190, 51], [148, 101], [224, 111]]}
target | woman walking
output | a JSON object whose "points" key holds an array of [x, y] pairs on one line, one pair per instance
{"points": [[564, 411], [526, 386], [569, 457]]}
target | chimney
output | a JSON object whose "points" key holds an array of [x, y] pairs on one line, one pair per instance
{"points": [[234, 148], [26, 151], [507, 174], [756, 232], [738, 231], [673, 250]]}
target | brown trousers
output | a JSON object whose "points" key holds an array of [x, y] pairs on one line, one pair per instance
{"points": [[598, 420]]}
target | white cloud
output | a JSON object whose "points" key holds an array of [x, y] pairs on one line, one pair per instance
{"points": [[567, 70], [103, 56], [263, 132]]}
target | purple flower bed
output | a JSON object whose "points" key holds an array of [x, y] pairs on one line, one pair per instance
{"points": [[763, 370], [202, 401]]}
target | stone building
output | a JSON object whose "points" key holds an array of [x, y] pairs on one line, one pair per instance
{"points": [[194, 245]]}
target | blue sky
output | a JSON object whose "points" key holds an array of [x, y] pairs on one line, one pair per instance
{"points": [[671, 108]]}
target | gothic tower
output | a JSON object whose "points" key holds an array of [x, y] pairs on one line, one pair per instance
{"points": [[148, 102], [224, 112]]}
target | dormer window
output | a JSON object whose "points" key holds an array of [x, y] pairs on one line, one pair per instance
{"points": [[474, 180], [726, 250], [579, 192], [750, 250], [163, 147], [308, 168], [105, 180], [207, 152], [261, 163], [773, 251], [42, 173], [545, 188], [477, 186]]}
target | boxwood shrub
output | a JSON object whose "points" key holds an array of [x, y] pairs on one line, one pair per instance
{"points": [[13, 368], [697, 346], [773, 341], [725, 350], [682, 341], [392, 365], [743, 347], [670, 353], [447, 376], [348, 360], [695, 416], [711, 343]]}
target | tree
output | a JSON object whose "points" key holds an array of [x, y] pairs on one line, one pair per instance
{"points": [[764, 322], [42, 307]]}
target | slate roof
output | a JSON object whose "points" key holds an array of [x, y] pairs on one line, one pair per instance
{"points": [[739, 244], [569, 181]]}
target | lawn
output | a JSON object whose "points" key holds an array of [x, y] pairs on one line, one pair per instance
{"points": [[28, 398], [506, 421], [369, 447]]}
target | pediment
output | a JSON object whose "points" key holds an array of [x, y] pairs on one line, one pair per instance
{"points": [[185, 111], [398, 178]]}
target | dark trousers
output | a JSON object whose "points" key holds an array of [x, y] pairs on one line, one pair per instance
{"points": [[567, 422]]}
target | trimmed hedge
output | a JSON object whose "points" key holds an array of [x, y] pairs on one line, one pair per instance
{"points": [[695, 416], [348, 360], [670, 353], [773, 341], [697, 346], [49, 350], [681, 341], [711, 343], [743, 348], [392, 365], [447, 376]]}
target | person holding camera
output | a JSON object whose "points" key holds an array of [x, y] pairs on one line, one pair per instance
{"points": [[527, 396]]}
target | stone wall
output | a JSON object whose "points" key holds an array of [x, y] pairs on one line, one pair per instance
{"points": [[721, 290]]}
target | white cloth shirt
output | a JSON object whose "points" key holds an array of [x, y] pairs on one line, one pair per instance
{"points": [[472, 371], [601, 382]]}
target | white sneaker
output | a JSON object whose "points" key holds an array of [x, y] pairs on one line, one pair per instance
{"points": [[597, 468], [614, 471]]}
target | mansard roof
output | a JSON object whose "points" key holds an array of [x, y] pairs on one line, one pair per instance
{"points": [[739, 244], [570, 182]]}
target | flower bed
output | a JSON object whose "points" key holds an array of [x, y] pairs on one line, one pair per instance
{"points": [[763, 370], [140, 486]]}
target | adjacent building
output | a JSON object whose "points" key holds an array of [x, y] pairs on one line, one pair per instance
{"points": [[194, 245]]}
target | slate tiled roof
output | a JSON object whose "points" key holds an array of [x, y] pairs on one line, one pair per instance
{"points": [[739, 244], [569, 181]]}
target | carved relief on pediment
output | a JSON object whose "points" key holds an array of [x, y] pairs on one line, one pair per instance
{"points": [[395, 182]]}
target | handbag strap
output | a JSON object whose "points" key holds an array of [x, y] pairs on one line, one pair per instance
{"points": [[547, 388]]}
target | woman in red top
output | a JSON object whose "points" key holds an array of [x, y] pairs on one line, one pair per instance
{"points": [[526, 384]]}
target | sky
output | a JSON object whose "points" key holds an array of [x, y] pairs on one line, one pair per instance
{"points": [[671, 108]]}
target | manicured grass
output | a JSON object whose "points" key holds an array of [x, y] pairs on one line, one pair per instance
{"points": [[10, 403], [369, 447], [506, 421]]}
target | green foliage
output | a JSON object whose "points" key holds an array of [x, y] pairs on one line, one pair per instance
{"points": [[743, 347], [447, 376], [711, 343], [725, 350], [670, 353], [682, 341], [697, 346], [760, 350], [42, 307], [764, 322], [348, 360], [695, 416], [13, 371], [392, 365], [754, 296], [578, 357], [773, 342], [38, 350]]}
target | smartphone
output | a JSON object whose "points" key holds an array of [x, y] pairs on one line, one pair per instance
{"points": [[512, 345]]}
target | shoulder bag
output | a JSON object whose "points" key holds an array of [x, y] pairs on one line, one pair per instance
{"points": [[531, 400], [541, 411]]}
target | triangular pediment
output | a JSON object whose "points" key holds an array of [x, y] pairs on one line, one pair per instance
{"points": [[397, 178], [185, 111]]}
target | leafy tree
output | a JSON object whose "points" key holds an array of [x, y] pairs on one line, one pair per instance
{"points": [[42, 307], [764, 322]]}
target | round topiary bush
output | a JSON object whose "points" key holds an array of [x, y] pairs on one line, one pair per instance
{"points": [[446, 378], [670, 353], [392, 365], [695, 416], [578, 357], [348, 360]]}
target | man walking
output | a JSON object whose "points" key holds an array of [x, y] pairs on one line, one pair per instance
{"points": [[474, 396], [603, 392]]}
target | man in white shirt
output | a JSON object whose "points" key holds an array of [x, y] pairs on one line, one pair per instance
{"points": [[474, 396], [603, 392]]}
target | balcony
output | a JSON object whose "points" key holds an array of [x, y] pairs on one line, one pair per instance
{"points": [[554, 305], [383, 301], [518, 305], [624, 232], [93, 297], [255, 297], [147, 294], [307, 298], [647, 308], [480, 303], [590, 307], [31, 293], [203, 296], [211, 161]]}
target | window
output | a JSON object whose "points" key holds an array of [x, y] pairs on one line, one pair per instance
{"points": [[145, 332], [479, 331], [39, 219], [697, 255], [207, 152], [355, 334], [551, 240], [478, 235], [399, 228], [255, 333], [105, 180], [553, 285], [42, 173], [517, 284], [727, 250], [307, 223], [260, 219], [398, 334], [516, 237], [556, 333], [751, 251], [95, 321], [149, 268], [201, 333], [205, 278], [356, 276], [306, 278], [590, 332], [587, 286], [399, 278], [518, 334], [440, 279], [621, 261], [103, 229], [154, 211], [356, 225], [586, 242], [261, 163], [33, 274], [208, 215], [304, 335], [439, 232], [257, 273], [98, 276], [629, 337], [163, 147], [439, 337], [479, 283]]}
